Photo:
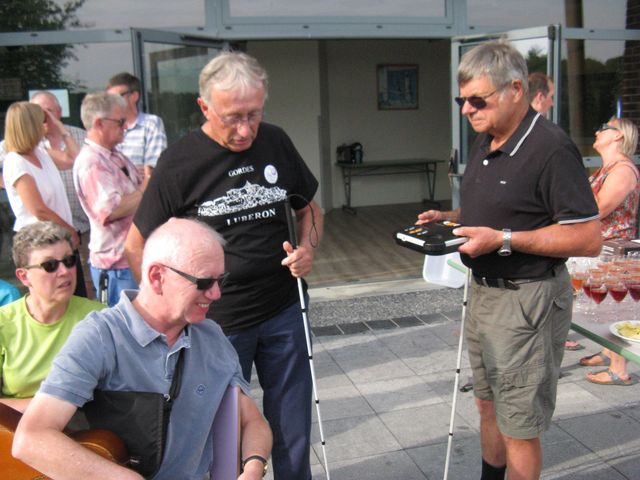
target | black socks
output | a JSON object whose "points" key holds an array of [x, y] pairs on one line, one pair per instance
{"points": [[489, 472]]}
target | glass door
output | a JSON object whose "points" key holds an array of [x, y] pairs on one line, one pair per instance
{"points": [[168, 65]]}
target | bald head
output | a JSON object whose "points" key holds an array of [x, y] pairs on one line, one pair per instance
{"points": [[177, 241], [48, 102]]}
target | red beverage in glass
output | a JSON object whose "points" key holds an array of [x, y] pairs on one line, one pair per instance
{"points": [[598, 295], [586, 288], [618, 293], [634, 291]]}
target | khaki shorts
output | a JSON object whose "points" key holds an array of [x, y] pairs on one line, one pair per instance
{"points": [[516, 343]]}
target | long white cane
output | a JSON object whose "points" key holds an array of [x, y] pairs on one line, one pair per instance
{"points": [[458, 363], [305, 321]]}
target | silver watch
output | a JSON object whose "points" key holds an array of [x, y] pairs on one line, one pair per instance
{"points": [[505, 250]]}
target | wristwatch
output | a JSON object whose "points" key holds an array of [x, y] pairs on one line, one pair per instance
{"points": [[256, 457], [505, 250]]}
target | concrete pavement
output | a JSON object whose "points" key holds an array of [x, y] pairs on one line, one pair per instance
{"points": [[385, 385]]}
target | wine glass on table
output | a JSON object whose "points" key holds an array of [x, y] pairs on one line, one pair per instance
{"points": [[597, 292], [616, 287], [632, 282], [578, 271]]}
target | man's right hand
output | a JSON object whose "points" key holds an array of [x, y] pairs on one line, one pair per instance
{"points": [[429, 216]]}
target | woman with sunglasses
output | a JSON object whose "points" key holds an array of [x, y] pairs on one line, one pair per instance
{"points": [[616, 186], [31, 177], [34, 327]]}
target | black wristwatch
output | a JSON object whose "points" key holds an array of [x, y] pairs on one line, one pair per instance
{"points": [[256, 457], [505, 250]]}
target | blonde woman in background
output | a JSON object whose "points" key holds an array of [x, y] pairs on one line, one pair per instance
{"points": [[616, 187], [31, 177]]}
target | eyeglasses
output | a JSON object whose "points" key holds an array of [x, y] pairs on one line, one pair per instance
{"points": [[52, 265], [476, 101], [606, 126], [234, 121], [202, 284], [119, 121]]}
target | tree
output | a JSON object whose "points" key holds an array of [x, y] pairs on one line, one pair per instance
{"points": [[37, 66]]}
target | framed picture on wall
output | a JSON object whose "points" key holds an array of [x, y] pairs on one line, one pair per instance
{"points": [[397, 87]]}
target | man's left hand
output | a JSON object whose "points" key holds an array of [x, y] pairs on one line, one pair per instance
{"points": [[299, 260], [482, 240]]}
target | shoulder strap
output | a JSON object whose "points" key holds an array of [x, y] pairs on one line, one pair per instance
{"points": [[174, 391]]}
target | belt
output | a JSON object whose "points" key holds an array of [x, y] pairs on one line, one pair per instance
{"points": [[510, 284]]}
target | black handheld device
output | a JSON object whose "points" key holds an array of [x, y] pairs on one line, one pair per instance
{"points": [[434, 238]]}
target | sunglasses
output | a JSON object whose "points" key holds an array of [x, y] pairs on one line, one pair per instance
{"points": [[476, 101], [52, 265], [606, 126], [202, 284], [119, 121]]}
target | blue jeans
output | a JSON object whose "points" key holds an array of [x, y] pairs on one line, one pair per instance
{"points": [[279, 350], [117, 280]]}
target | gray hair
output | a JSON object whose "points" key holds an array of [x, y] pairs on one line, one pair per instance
{"points": [[35, 236], [172, 243], [231, 71], [629, 132], [497, 60], [99, 105]]}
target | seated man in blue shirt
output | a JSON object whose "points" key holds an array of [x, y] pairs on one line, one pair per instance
{"points": [[134, 346]]}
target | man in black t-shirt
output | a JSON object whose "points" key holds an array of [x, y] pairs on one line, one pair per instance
{"points": [[235, 174], [526, 206]]}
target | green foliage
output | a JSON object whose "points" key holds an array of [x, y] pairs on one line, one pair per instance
{"points": [[536, 62], [37, 66]]}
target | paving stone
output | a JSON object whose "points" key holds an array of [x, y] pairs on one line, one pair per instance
{"points": [[326, 331], [356, 437], [381, 324], [408, 322], [353, 327]]}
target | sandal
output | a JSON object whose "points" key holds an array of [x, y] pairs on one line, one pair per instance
{"points": [[572, 345], [592, 361], [613, 379]]}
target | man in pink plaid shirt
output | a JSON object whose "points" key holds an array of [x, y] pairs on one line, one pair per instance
{"points": [[109, 188]]}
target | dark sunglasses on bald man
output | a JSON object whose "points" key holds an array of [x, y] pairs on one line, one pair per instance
{"points": [[52, 265], [476, 101], [203, 284]]}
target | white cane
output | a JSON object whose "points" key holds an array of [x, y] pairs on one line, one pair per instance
{"points": [[305, 321], [458, 363]]}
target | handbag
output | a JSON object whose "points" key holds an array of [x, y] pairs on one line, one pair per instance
{"points": [[140, 419]]}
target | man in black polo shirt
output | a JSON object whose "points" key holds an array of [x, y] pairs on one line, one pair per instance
{"points": [[526, 206]]}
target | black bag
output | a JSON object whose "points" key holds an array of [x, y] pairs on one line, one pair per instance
{"points": [[140, 419], [351, 153]]}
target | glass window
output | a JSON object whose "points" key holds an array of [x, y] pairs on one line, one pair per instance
{"points": [[79, 69], [592, 93], [172, 72], [595, 13], [142, 13], [350, 8], [111, 14]]}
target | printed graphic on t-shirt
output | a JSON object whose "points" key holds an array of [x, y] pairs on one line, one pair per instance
{"points": [[271, 174], [239, 199]]}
